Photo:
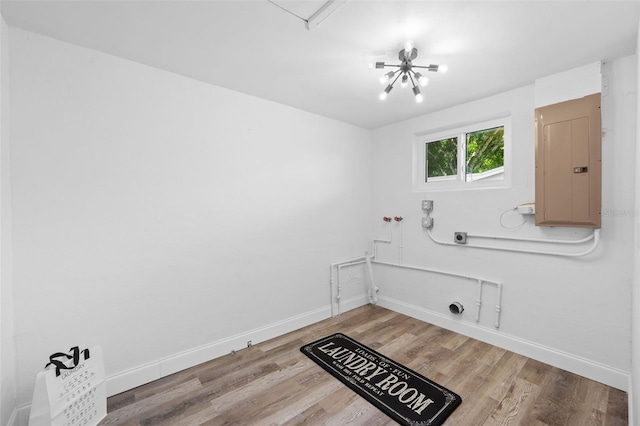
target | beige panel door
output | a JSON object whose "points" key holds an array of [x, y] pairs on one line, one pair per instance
{"points": [[568, 163]]}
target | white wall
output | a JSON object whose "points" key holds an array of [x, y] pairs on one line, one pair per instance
{"points": [[570, 312], [162, 218], [7, 360], [158, 215]]}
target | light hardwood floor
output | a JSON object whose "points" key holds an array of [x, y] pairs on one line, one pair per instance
{"points": [[273, 383]]}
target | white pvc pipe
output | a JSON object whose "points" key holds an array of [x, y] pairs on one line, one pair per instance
{"points": [[401, 241], [342, 262], [480, 281], [498, 305], [537, 240], [374, 248], [332, 281], [436, 271], [373, 291], [479, 301], [596, 240], [331, 289], [338, 291], [355, 262], [338, 281], [498, 308]]}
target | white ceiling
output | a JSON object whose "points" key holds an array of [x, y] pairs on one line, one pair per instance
{"points": [[258, 48]]}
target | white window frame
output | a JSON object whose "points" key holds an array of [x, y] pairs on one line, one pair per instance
{"points": [[497, 178]]}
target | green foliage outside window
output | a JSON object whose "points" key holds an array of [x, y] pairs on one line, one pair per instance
{"points": [[442, 158], [485, 150]]}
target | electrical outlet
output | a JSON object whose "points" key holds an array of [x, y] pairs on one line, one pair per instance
{"points": [[529, 208], [427, 205], [460, 237]]}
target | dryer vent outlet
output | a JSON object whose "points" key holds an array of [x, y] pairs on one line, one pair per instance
{"points": [[456, 308]]}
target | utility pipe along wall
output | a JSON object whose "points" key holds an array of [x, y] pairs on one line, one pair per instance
{"points": [[548, 301], [462, 241]]}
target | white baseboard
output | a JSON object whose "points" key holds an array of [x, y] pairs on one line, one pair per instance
{"points": [[149, 372], [601, 373], [155, 370], [20, 415], [146, 373]]}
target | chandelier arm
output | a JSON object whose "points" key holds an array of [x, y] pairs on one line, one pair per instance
{"points": [[413, 83], [395, 79], [430, 68]]}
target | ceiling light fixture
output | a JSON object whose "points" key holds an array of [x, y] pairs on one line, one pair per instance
{"points": [[406, 73]]}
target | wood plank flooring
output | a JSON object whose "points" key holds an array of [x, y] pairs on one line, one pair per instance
{"points": [[273, 383]]}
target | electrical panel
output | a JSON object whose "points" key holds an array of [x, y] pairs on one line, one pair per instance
{"points": [[568, 163]]}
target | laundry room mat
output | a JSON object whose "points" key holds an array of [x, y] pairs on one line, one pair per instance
{"points": [[404, 395]]}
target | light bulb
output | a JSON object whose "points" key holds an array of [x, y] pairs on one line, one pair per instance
{"points": [[422, 80], [408, 50], [405, 81], [418, 95], [408, 46], [385, 78], [443, 69], [384, 94]]}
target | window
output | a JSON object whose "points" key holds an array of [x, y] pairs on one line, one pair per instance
{"points": [[442, 159], [463, 157]]}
